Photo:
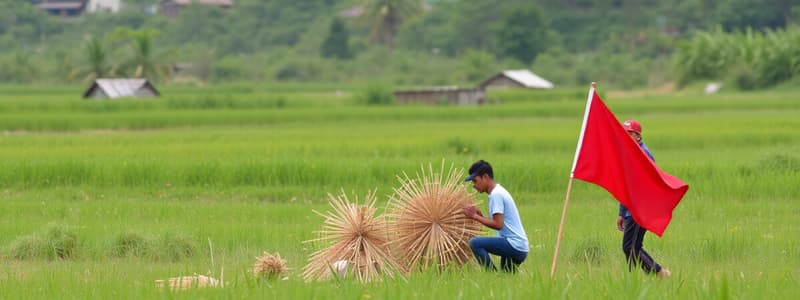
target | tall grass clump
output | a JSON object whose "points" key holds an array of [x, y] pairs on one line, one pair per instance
{"points": [[131, 244], [58, 242], [175, 246], [589, 252], [169, 246], [779, 163]]}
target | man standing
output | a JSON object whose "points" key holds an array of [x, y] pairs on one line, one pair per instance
{"points": [[633, 234], [511, 243]]}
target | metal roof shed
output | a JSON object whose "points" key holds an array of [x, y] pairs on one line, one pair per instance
{"points": [[106, 88], [516, 78]]}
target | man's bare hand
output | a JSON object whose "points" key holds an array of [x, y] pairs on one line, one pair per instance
{"points": [[472, 212]]}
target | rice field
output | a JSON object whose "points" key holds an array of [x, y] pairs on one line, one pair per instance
{"points": [[101, 199]]}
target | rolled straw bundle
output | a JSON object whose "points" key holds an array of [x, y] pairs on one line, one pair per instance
{"points": [[427, 220], [357, 240], [186, 282], [269, 266]]}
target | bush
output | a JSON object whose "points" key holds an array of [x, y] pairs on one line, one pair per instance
{"points": [[300, 69], [58, 242], [175, 247], [131, 244], [62, 242], [745, 79], [27, 247], [375, 94], [229, 68]]}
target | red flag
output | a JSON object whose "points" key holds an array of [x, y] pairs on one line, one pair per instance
{"points": [[609, 157]]}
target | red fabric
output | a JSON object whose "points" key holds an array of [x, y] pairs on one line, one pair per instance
{"points": [[610, 158]]}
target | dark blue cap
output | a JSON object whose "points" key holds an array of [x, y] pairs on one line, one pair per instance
{"points": [[470, 177], [479, 168]]}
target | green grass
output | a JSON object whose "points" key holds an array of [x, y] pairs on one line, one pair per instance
{"points": [[99, 199]]}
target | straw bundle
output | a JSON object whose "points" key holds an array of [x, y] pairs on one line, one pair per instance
{"points": [[357, 237], [427, 220], [269, 266], [187, 282]]}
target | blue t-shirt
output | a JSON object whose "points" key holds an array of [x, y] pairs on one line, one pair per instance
{"points": [[500, 202], [623, 211]]}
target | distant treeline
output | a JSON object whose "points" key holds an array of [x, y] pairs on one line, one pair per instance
{"points": [[626, 44]]}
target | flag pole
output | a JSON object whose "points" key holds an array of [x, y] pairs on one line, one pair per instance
{"points": [[561, 228], [569, 185]]}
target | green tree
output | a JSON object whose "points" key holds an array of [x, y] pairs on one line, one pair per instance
{"points": [[95, 62], [144, 60], [386, 16], [741, 14], [18, 67], [337, 42], [454, 27], [477, 65], [523, 33], [27, 24]]}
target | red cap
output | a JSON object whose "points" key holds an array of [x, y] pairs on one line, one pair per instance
{"points": [[632, 125]]}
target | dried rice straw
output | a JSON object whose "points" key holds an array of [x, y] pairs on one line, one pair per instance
{"points": [[354, 235], [269, 266], [427, 219]]}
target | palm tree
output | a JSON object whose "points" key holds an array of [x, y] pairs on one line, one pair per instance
{"points": [[386, 16], [96, 56], [145, 61]]}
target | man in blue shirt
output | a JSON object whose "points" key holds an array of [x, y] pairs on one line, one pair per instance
{"points": [[511, 243], [633, 234]]}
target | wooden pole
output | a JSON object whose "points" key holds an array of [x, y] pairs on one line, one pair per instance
{"points": [[561, 229], [569, 185]]}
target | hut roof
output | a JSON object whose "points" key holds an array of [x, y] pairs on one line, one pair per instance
{"points": [[122, 87], [524, 77]]}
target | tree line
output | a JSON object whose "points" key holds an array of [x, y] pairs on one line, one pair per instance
{"points": [[627, 43]]}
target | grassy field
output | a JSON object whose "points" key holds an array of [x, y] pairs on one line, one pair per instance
{"points": [[99, 199]]}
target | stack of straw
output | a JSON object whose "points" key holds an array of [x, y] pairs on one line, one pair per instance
{"points": [[427, 224], [354, 234], [427, 219]]}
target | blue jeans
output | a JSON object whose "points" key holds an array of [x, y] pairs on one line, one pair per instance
{"points": [[510, 258]]}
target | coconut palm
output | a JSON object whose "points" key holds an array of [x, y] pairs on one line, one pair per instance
{"points": [[386, 16], [144, 60], [96, 63]]}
